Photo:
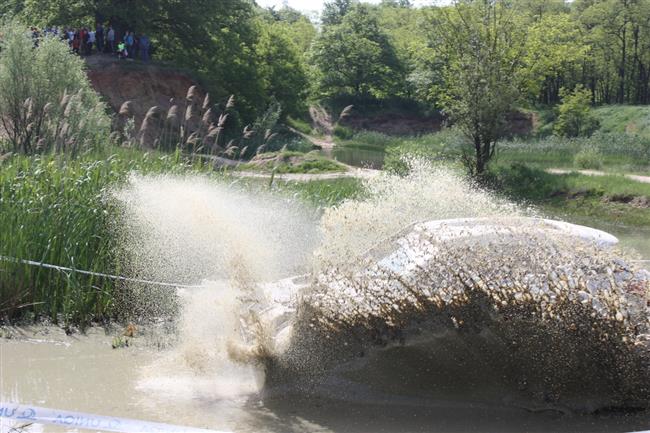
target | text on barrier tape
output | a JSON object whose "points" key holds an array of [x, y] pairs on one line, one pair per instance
{"points": [[79, 420]]}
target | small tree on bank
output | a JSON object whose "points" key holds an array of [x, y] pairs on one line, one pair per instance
{"points": [[482, 47], [574, 114]]}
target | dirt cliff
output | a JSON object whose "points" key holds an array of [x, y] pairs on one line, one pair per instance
{"points": [[145, 85]]}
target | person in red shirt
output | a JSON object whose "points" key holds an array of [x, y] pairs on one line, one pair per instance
{"points": [[76, 43]]}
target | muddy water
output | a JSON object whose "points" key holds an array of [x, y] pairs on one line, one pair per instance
{"points": [[44, 367]]}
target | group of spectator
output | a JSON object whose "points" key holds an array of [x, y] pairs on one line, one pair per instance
{"points": [[85, 41]]}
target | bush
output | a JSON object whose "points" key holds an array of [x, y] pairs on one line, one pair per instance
{"points": [[46, 101], [574, 114], [396, 160], [299, 125], [446, 144], [588, 158], [343, 132]]}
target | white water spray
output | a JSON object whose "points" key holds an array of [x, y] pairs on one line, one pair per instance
{"points": [[197, 230]]}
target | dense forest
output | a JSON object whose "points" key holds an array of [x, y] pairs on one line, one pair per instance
{"points": [[388, 51]]}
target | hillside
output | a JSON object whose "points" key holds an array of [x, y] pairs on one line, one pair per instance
{"points": [[145, 85], [631, 119]]}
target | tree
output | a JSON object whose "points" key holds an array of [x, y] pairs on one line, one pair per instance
{"points": [[334, 11], [282, 70], [556, 52], [46, 101], [483, 46], [356, 57], [574, 114], [297, 27]]}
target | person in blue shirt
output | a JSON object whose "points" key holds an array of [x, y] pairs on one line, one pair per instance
{"points": [[145, 44], [129, 40]]}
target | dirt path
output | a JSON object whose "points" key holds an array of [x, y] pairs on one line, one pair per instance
{"points": [[326, 143], [635, 177]]}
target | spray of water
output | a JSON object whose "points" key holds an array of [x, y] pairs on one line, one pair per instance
{"points": [[528, 309], [392, 204], [192, 228], [200, 231]]}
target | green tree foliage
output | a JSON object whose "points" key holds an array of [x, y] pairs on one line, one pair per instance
{"points": [[295, 27], [556, 52], [574, 114], [232, 45], [282, 69], [335, 10], [10, 8], [404, 26], [46, 101], [356, 57], [483, 47]]}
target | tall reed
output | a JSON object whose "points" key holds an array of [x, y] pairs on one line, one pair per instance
{"points": [[58, 210]]}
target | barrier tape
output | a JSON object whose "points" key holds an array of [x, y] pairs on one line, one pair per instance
{"points": [[95, 274], [79, 420]]}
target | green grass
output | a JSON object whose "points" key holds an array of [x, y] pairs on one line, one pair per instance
{"points": [[57, 210], [324, 193], [299, 125], [613, 119], [600, 197], [624, 119], [293, 162], [617, 152]]}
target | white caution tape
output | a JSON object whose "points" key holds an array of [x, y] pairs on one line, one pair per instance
{"points": [[78, 420]]}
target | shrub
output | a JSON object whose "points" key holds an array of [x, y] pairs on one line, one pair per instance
{"points": [[343, 132], [46, 101], [396, 160], [299, 125], [574, 114], [588, 158]]}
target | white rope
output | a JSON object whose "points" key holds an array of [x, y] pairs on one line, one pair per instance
{"points": [[96, 274]]}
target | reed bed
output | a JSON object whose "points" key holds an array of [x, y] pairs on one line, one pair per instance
{"points": [[57, 210]]}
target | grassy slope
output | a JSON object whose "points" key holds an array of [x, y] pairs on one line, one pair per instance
{"points": [[599, 197], [630, 119], [293, 162]]}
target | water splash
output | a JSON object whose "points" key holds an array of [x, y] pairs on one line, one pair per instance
{"points": [[190, 228], [392, 204], [525, 311], [202, 231]]}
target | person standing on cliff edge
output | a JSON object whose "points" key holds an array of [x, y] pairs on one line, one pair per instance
{"points": [[99, 37], [145, 44], [110, 37]]}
